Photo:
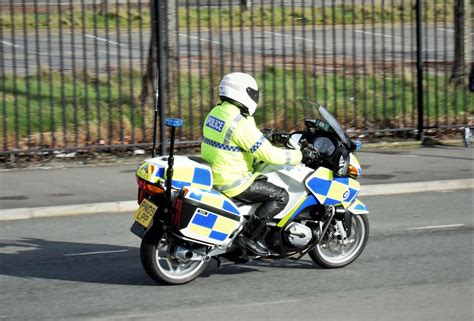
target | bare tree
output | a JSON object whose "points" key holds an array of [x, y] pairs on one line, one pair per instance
{"points": [[171, 35], [462, 42], [102, 7], [246, 4], [171, 50]]}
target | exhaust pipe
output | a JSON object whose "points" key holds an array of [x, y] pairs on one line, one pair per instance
{"points": [[185, 254]]}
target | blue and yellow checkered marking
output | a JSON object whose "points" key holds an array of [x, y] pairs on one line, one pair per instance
{"points": [[332, 190], [192, 176], [213, 198], [358, 208], [189, 176], [211, 226], [218, 236], [207, 221]]}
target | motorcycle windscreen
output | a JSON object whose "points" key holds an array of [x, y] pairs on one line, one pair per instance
{"points": [[332, 190]]}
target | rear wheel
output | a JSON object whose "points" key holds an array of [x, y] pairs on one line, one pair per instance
{"points": [[159, 263], [332, 252]]}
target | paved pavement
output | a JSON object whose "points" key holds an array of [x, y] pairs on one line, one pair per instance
{"points": [[26, 193]]}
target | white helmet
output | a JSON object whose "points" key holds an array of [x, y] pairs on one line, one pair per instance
{"points": [[240, 88]]}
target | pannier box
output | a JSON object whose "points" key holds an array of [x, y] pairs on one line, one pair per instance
{"points": [[186, 172], [207, 216]]}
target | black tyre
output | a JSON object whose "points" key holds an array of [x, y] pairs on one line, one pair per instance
{"points": [[159, 265], [334, 254]]}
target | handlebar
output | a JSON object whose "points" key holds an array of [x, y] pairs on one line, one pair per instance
{"points": [[293, 144]]}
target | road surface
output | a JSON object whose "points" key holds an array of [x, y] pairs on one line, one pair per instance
{"points": [[101, 51], [417, 266]]}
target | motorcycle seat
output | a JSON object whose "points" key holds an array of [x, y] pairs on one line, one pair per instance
{"points": [[237, 202], [199, 160]]}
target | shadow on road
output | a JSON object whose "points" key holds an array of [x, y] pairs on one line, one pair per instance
{"points": [[72, 261], [99, 263]]}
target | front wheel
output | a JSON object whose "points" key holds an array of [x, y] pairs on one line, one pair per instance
{"points": [[159, 264], [334, 253]]}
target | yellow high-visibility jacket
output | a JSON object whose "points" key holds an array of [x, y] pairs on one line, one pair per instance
{"points": [[231, 142]]}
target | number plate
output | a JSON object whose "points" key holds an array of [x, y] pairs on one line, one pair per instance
{"points": [[145, 213]]}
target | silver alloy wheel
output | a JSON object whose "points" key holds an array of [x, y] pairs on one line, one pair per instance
{"points": [[172, 268], [335, 252]]}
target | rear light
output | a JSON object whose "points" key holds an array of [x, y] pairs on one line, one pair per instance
{"points": [[149, 188], [178, 205], [141, 195]]}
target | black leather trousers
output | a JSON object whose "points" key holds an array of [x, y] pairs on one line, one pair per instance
{"points": [[274, 200]]}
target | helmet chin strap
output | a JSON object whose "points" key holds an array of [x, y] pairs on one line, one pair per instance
{"points": [[243, 110]]}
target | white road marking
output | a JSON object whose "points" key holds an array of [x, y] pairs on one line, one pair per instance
{"points": [[8, 43], [199, 39], [375, 34], [94, 253], [432, 227], [105, 40], [278, 34], [305, 39], [285, 35], [301, 38], [448, 30], [451, 30]]}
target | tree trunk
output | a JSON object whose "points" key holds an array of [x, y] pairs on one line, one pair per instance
{"points": [[171, 52], [245, 4], [462, 43], [102, 7]]}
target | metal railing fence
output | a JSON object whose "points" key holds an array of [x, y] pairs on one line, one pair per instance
{"points": [[81, 74]]}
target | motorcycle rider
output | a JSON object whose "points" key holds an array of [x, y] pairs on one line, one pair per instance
{"points": [[231, 141]]}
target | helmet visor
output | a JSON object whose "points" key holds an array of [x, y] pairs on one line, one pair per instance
{"points": [[253, 94]]}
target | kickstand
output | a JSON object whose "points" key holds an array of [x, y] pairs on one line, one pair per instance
{"points": [[223, 262]]}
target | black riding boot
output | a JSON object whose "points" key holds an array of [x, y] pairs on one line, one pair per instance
{"points": [[274, 200], [252, 236]]}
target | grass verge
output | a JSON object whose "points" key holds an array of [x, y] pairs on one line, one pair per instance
{"points": [[60, 110], [337, 14]]}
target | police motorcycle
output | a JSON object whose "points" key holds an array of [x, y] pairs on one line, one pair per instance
{"points": [[184, 222]]}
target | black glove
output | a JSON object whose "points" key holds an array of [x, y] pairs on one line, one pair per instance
{"points": [[268, 133], [280, 137], [310, 154]]}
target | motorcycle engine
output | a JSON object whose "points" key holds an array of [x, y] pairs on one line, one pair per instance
{"points": [[298, 234]]}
